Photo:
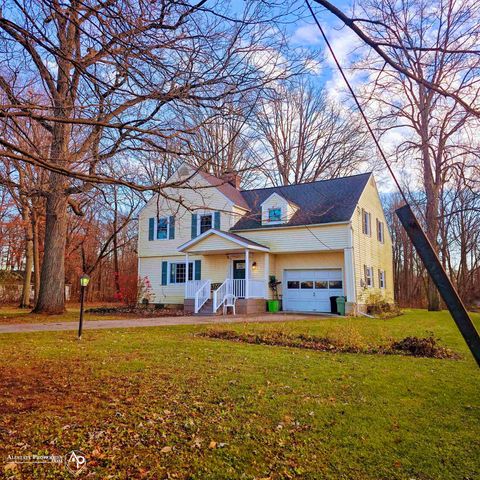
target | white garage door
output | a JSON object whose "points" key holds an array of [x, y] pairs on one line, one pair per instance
{"points": [[310, 290]]}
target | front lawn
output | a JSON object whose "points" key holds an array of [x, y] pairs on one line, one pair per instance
{"points": [[162, 402]]}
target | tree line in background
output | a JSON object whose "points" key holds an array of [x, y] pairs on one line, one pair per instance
{"points": [[100, 103]]}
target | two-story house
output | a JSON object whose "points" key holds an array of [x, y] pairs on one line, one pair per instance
{"points": [[205, 238]]}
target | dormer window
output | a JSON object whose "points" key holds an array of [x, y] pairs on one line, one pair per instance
{"points": [[274, 214], [277, 210]]}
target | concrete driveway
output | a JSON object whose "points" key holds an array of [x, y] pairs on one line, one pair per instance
{"points": [[154, 322]]}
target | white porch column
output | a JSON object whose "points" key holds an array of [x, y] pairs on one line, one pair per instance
{"points": [[186, 274], [247, 271], [266, 262], [349, 275]]}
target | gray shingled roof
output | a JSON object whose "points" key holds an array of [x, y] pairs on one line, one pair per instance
{"points": [[325, 201]]}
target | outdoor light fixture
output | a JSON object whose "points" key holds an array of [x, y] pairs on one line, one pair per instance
{"points": [[254, 265], [84, 279]]}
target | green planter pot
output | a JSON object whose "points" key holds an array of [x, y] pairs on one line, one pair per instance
{"points": [[273, 305]]}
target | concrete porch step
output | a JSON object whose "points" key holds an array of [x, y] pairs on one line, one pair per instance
{"points": [[207, 308]]}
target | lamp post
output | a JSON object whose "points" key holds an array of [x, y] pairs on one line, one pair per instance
{"points": [[84, 279]]}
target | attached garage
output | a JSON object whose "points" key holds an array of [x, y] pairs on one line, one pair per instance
{"points": [[310, 290]]}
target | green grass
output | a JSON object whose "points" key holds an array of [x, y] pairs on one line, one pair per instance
{"points": [[121, 396]]}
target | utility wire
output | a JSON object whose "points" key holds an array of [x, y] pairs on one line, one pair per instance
{"points": [[360, 109]]}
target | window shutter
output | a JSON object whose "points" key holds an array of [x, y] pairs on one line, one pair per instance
{"points": [[365, 274], [194, 225], [164, 272], [370, 225], [151, 228], [216, 218], [373, 276], [363, 222], [198, 269], [171, 222]]}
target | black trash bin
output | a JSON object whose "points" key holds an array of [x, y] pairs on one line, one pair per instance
{"points": [[333, 304]]}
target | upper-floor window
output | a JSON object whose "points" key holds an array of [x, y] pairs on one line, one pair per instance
{"points": [[162, 228], [274, 214], [368, 276], [381, 279], [380, 231], [205, 222], [366, 222]]}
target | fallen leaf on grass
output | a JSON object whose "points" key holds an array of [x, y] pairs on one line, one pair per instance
{"points": [[166, 449]]}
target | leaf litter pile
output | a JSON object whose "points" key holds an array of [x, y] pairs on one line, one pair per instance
{"points": [[414, 346]]}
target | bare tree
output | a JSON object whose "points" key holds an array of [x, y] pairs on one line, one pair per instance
{"points": [[111, 78], [307, 136], [435, 129]]}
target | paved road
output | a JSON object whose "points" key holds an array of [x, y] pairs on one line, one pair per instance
{"points": [[149, 322]]}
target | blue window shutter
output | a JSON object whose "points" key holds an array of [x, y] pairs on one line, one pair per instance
{"points": [[172, 228], [151, 228], [194, 225], [216, 218], [164, 272], [198, 269]]}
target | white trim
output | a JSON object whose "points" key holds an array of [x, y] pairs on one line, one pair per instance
{"points": [[205, 213], [276, 194], [303, 225], [224, 235]]}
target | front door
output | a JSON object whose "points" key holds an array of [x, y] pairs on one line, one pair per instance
{"points": [[238, 278], [239, 269]]}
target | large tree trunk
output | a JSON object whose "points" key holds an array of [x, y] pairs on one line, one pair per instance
{"points": [[36, 257], [27, 279], [51, 297]]}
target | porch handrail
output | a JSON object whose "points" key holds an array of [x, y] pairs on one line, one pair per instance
{"points": [[202, 295], [219, 294]]}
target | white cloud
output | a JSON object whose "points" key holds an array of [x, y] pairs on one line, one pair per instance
{"points": [[307, 35]]}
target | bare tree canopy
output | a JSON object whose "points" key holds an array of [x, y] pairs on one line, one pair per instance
{"points": [[110, 83]]}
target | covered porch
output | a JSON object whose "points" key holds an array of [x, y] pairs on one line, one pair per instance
{"points": [[231, 265]]}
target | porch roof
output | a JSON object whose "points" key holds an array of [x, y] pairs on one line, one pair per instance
{"points": [[208, 242]]}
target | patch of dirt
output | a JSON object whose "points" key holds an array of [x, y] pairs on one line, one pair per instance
{"points": [[418, 347]]}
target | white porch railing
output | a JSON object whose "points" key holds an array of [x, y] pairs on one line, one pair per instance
{"points": [[219, 294], [202, 295], [192, 288], [237, 287]]}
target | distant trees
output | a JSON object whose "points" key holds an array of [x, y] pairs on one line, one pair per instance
{"points": [[306, 136]]}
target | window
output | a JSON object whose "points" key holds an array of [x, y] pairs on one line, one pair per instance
{"points": [[162, 228], [308, 285], [206, 222], [336, 284], [274, 214], [293, 284], [320, 285], [380, 231], [178, 272], [366, 222], [381, 278], [368, 274]]}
